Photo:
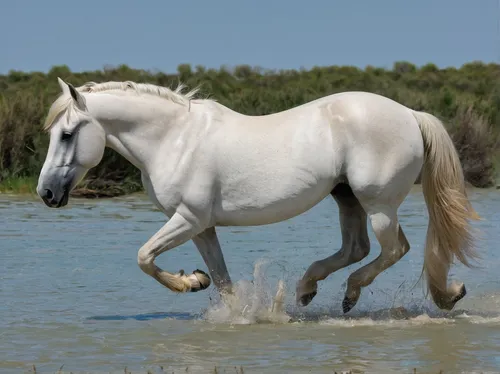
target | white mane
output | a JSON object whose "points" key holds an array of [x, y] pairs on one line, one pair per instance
{"points": [[142, 88], [62, 102]]}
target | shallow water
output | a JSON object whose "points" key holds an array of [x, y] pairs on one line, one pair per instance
{"points": [[72, 294]]}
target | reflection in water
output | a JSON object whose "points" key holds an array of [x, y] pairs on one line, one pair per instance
{"points": [[73, 294]]}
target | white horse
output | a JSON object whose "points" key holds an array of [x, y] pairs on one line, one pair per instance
{"points": [[204, 165]]}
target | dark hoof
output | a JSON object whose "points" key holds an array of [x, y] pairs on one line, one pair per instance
{"points": [[203, 280], [460, 295], [347, 305], [306, 299]]}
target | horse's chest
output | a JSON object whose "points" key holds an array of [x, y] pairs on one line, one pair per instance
{"points": [[167, 207]]}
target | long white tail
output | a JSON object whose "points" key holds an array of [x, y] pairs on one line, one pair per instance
{"points": [[449, 233]]}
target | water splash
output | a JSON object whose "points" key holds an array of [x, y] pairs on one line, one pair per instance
{"points": [[251, 302], [256, 301]]}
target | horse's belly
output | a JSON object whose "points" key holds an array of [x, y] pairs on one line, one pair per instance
{"points": [[266, 207]]}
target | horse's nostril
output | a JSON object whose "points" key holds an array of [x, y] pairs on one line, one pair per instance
{"points": [[48, 194]]}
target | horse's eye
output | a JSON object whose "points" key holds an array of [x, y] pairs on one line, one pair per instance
{"points": [[66, 136]]}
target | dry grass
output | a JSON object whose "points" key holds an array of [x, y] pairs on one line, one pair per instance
{"points": [[477, 146]]}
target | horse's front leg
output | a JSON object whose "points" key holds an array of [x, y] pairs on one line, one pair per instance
{"points": [[175, 232], [211, 252]]}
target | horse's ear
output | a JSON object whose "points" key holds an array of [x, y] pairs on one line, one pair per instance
{"points": [[64, 86], [68, 88], [77, 96]]}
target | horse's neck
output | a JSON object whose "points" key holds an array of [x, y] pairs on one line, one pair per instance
{"points": [[136, 127]]}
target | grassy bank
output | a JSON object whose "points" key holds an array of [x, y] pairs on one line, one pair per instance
{"points": [[27, 185], [18, 185], [466, 99]]}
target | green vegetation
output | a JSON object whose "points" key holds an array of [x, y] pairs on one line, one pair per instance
{"points": [[18, 185], [467, 99]]}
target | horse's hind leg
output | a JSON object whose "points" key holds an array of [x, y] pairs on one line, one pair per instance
{"points": [[355, 244], [394, 246]]}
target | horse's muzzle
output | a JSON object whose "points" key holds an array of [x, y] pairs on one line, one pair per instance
{"points": [[52, 200]]}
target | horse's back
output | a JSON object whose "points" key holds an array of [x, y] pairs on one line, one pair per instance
{"points": [[283, 164]]}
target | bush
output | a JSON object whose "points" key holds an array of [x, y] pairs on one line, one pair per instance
{"points": [[477, 146], [26, 97]]}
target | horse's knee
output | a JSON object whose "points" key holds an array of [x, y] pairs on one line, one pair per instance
{"points": [[390, 235], [145, 261]]}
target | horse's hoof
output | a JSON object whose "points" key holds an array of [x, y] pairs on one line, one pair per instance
{"points": [[347, 305], [462, 292], [306, 299], [202, 280]]}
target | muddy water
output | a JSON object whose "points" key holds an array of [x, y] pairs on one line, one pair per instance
{"points": [[72, 294]]}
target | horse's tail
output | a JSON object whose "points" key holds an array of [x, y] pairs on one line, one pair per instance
{"points": [[449, 232]]}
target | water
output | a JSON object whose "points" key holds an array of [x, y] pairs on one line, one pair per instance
{"points": [[72, 294]]}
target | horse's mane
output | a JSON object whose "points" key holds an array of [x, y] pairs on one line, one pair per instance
{"points": [[177, 96]]}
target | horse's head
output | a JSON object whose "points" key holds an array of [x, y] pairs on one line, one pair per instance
{"points": [[77, 143]]}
